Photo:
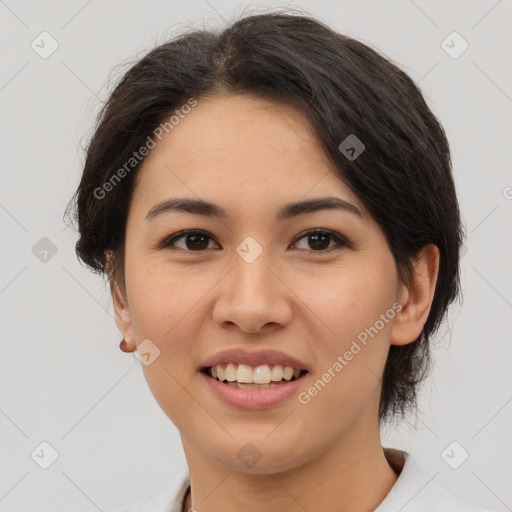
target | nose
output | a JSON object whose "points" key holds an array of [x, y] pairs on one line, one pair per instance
{"points": [[252, 297]]}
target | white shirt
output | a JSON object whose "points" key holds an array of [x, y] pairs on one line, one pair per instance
{"points": [[414, 491]]}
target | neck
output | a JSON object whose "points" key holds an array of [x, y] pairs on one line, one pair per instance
{"points": [[350, 476]]}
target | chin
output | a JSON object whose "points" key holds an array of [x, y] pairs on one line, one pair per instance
{"points": [[261, 456]]}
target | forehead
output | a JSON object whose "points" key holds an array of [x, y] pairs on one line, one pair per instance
{"points": [[240, 149]]}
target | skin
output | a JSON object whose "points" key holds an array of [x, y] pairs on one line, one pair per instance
{"points": [[251, 156]]}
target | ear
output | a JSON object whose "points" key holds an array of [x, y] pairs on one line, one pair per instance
{"points": [[416, 298], [121, 310]]}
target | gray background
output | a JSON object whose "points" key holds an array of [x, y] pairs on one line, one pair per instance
{"points": [[64, 380]]}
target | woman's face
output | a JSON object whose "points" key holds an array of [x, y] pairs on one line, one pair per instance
{"points": [[256, 281]]}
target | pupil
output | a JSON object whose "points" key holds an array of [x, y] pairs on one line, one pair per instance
{"points": [[319, 241], [316, 238], [195, 245]]}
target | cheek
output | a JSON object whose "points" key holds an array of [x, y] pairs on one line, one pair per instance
{"points": [[348, 304], [353, 315], [161, 297], [165, 307]]}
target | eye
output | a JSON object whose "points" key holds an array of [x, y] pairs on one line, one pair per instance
{"points": [[194, 241], [319, 240]]}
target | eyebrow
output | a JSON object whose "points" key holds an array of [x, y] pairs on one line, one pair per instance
{"points": [[208, 209]]}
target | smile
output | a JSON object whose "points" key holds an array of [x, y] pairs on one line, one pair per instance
{"points": [[253, 387], [244, 376]]}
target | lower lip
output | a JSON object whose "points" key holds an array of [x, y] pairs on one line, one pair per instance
{"points": [[253, 398]]}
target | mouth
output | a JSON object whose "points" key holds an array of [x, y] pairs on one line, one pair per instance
{"points": [[244, 376]]}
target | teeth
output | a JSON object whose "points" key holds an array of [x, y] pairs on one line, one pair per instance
{"points": [[288, 373], [251, 386], [246, 375], [231, 372], [277, 372], [243, 373], [262, 374]]}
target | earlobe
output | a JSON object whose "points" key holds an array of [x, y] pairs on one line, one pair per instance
{"points": [[121, 311], [416, 298], [123, 317]]}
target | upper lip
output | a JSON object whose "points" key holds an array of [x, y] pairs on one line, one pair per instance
{"points": [[255, 358]]}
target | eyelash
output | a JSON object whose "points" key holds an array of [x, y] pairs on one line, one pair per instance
{"points": [[336, 237]]}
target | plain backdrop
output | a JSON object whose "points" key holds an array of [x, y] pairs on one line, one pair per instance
{"points": [[63, 379]]}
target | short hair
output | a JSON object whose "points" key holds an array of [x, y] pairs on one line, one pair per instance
{"points": [[343, 87]]}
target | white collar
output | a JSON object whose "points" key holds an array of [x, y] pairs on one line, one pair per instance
{"points": [[414, 491]]}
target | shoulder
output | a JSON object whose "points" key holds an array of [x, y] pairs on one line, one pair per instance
{"points": [[169, 498], [417, 491]]}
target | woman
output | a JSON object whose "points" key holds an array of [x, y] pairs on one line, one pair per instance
{"points": [[274, 207]]}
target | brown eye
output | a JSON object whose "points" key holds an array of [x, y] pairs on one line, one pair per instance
{"points": [[194, 241], [319, 240]]}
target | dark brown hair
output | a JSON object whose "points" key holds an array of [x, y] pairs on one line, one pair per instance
{"points": [[343, 87]]}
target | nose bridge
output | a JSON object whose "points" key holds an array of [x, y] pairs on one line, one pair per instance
{"points": [[251, 277], [252, 296]]}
